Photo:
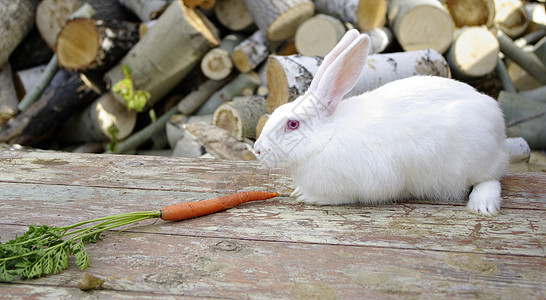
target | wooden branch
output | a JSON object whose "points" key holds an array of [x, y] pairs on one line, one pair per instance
{"points": [[240, 116], [87, 44], [279, 19], [92, 123], [421, 24], [85, 11], [8, 96], [471, 12], [525, 118], [511, 17], [217, 64], [250, 52], [366, 14], [290, 76], [502, 73], [318, 35], [17, 21], [473, 53], [538, 94], [525, 60], [233, 14], [233, 89], [217, 141], [67, 94], [167, 53], [146, 10]]}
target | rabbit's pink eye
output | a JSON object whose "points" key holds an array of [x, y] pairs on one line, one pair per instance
{"points": [[292, 124]]}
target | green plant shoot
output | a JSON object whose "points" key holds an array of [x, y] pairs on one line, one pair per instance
{"points": [[135, 99]]}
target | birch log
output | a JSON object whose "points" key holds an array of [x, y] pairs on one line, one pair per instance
{"points": [[381, 38], [260, 125], [240, 116], [146, 10], [290, 76], [217, 63], [279, 19], [318, 35], [67, 94], [8, 96], [217, 141], [233, 14], [250, 52], [366, 14], [525, 118], [471, 12], [92, 124], [17, 21], [528, 61], [87, 44], [473, 53], [234, 88], [511, 17], [167, 53], [421, 24]]}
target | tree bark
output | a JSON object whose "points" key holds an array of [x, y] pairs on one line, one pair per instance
{"points": [[318, 35], [17, 20], [250, 52], [67, 94], [217, 141], [366, 14], [146, 10], [471, 12], [473, 53], [233, 14], [240, 116], [290, 76], [421, 24], [525, 118], [233, 89], [167, 53], [279, 19], [217, 64], [8, 96], [87, 44]]}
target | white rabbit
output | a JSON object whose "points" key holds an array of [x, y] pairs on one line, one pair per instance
{"points": [[419, 137]]}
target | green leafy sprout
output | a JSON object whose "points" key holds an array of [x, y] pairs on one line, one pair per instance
{"points": [[113, 130], [135, 99], [44, 250]]}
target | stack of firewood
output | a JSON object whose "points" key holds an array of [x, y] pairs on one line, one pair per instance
{"points": [[201, 76]]}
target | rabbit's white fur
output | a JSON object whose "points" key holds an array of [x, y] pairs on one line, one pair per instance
{"points": [[419, 137]]}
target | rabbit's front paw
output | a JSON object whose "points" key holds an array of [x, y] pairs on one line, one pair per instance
{"points": [[485, 198]]}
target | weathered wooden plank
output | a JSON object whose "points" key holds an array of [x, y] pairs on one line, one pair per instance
{"points": [[155, 263], [520, 190], [402, 226]]}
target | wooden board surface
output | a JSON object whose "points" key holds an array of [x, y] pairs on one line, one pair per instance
{"points": [[269, 249]]}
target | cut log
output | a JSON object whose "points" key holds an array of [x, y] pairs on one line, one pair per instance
{"points": [[67, 94], [233, 14], [473, 53], [146, 10], [503, 76], [537, 16], [233, 89], [518, 149], [24, 80], [92, 124], [511, 17], [366, 14], [250, 52], [421, 24], [290, 76], [167, 53], [528, 61], [193, 3], [381, 38], [217, 64], [471, 12], [175, 126], [17, 21], [521, 78], [261, 123], [217, 141], [538, 94], [87, 44], [240, 116], [318, 35], [8, 96], [195, 99], [279, 19], [144, 27], [524, 118]]}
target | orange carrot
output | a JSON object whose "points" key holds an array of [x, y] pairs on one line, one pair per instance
{"points": [[181, 211]]}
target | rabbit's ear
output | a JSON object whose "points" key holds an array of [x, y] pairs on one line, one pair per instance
{"points": [[345, 41], [342, 74]]}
